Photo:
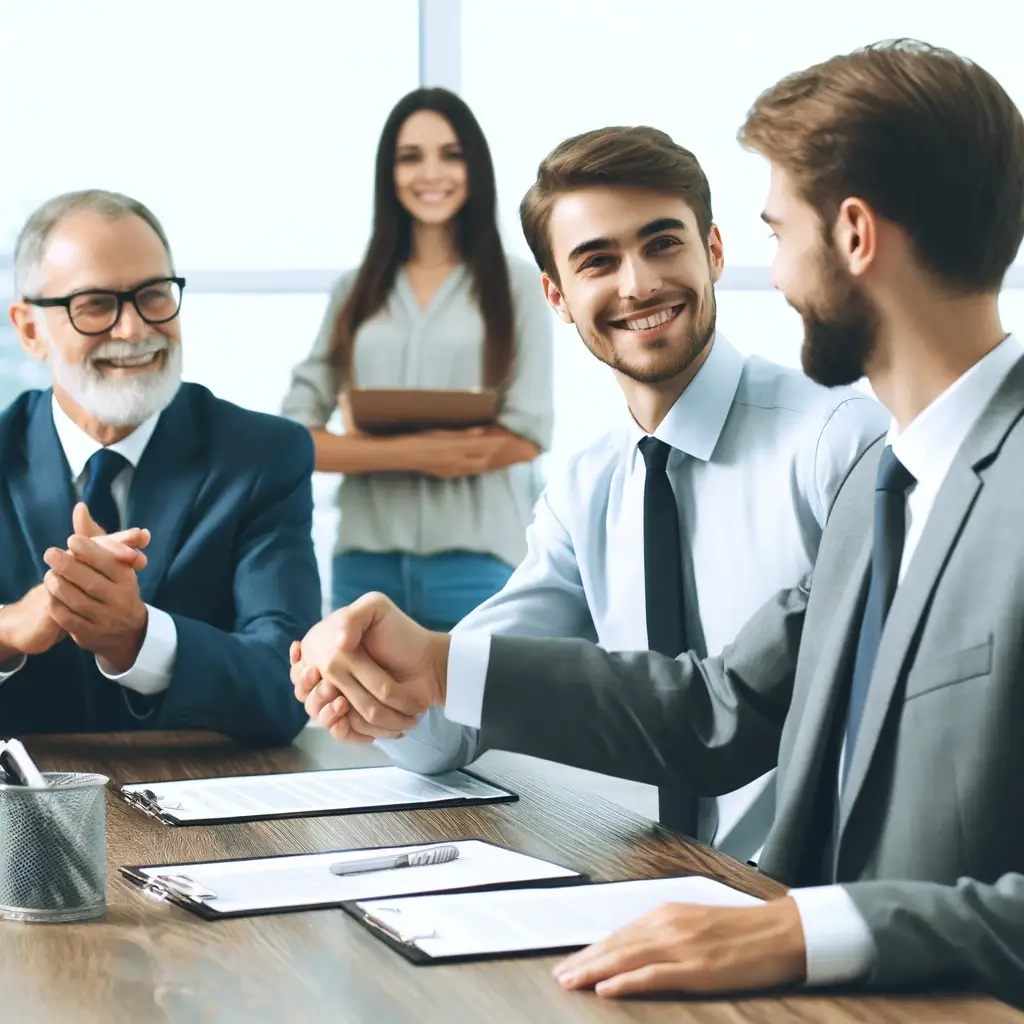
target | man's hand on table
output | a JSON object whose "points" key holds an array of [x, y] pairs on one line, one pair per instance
{"points": [[367, 671], [682, 947]]}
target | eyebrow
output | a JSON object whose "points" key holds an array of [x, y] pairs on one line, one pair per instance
{"points": [[652, 228]]}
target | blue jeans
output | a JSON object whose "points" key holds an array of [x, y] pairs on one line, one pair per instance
{"points": [[435, 590]]}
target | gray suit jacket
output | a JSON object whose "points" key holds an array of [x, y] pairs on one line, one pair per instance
{"points": [[930, 842]]}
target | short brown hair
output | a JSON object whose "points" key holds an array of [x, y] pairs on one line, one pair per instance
{"points": [[928, 139], [635, 157]]}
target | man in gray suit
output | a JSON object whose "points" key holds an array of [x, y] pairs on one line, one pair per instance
{"points": [[888, 689]]}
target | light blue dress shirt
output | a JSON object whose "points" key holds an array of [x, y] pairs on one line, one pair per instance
{"points": [[759, 452]]}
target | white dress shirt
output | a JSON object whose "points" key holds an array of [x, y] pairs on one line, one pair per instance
{"points": [[152, 670], [759, 452], [839, 945]]}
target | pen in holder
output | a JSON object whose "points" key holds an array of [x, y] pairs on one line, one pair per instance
{"points": [[53, 847]]}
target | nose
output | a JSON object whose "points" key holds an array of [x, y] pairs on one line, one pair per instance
{"points": [[130, 326], [638, 278]]}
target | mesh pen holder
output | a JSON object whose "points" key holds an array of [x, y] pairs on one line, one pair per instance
{"points": [[53, 849]]}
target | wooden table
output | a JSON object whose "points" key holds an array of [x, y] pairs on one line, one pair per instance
{"points": [[150, 961]]}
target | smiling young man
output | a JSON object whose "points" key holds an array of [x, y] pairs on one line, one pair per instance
{"points": [[198, 638], [674, 527], [888, 686]]}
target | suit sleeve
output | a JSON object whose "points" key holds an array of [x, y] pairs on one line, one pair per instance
{"points": [[237, 683], [711, 725], [928, 934], [543, 597]]}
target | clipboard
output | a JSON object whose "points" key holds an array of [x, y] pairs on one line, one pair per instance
{"points": [[411, 934], [453, 789], [407, 410], [174, 883]]}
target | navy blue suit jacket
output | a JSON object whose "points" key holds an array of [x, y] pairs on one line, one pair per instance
{"points": [[227, 496]]}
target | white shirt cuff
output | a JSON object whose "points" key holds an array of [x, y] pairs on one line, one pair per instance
{"points": [[13, 664], [839, 943], [468, 656], [151, 673]]}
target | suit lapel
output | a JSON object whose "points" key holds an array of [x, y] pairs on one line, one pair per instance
{"points": [[165, 484], [953, 504], [41, 487]]}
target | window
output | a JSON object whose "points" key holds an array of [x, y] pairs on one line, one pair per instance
{"points": [[250, 129], [690, 69]]}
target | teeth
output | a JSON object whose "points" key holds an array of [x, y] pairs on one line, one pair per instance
{"points": [[130, 361], [645, 323]]}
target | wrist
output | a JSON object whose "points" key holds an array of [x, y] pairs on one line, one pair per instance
{"points": [[8, 649], [441, 645], [123, 652]]}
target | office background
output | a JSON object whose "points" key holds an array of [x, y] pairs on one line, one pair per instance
{"points": [[249, 126]]}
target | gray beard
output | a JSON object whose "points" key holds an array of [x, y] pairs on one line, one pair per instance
{"points": [[126, 402]]}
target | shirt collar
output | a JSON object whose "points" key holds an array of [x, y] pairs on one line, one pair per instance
{"points": [[930, 442], [695, 422], [79, 447]]}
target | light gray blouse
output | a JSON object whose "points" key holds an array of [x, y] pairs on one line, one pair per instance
{"points": [[441, 346]]}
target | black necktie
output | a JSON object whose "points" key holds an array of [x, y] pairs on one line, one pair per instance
{"points": [[663, 558], [103, 467], [890, 530]]}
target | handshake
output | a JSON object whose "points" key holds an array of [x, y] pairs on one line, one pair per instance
{"points": [[367, 671]]}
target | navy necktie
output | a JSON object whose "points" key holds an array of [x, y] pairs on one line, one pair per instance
{"points": [[663, 559], [891, 486], [103, 467]]}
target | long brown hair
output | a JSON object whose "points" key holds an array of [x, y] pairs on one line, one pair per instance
{"points": [[476, 235]]}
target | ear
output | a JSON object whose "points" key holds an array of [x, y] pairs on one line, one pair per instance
{"points": [[856, 235], [29, 330], [716, 254], [556, 300]]}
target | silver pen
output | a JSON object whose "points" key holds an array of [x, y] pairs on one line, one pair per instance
{"points": [[385, 862]]}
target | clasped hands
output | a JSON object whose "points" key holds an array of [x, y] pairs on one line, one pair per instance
{"points": [[90, 593], [367, 671]]}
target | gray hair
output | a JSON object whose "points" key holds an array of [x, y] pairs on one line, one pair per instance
{"points": [[31, 245]]}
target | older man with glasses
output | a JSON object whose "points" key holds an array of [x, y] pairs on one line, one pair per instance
{"points": [[96, 633]]}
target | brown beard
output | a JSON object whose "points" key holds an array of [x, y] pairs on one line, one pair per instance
{"points": [[840, 330]]}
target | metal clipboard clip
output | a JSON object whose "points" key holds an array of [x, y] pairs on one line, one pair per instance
{"points": [[149, 803], [391, 931], [176, 888]]}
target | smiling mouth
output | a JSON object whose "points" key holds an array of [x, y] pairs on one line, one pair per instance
{"points": [[128, 362], [650, 322], [433, 197]]}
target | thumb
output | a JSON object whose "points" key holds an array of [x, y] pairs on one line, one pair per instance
{"points": [[83, 522], [360, 617]]}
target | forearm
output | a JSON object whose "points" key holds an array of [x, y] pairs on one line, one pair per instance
{"points": [[710, 725], [233, 683], [970, 934], [514, 449], [356, 454]]}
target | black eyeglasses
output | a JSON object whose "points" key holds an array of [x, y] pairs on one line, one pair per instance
{"points": [[96, 310]]}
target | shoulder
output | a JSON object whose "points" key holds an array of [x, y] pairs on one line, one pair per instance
{"points": [[15, 419], [795, 398], [587, 472], [21, 410], [343, 286], [523, 277], [262, 439]]}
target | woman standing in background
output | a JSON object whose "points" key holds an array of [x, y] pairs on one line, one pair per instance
{"points": [[432, 519]]}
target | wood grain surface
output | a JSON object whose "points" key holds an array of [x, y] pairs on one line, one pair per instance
{"points": [[150, 961]]}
